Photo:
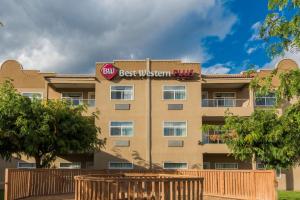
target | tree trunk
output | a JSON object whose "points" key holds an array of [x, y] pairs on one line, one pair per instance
{"points": [[253, 161], [38, 161]]}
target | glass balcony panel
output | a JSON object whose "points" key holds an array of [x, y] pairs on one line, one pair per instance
{"points": [[79, 101], [212, 137], [224, 102]]}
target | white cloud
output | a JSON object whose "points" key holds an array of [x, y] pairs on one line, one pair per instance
{"points": [[252, 44], [217, 69], [46, 35], [42, 55], [251, 50], [255, 29]]}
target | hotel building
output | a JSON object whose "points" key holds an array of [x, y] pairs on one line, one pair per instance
{"points": [[151, 113]]}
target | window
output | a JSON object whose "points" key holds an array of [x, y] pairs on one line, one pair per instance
{"points": [[175, 129], [121, 92], [205, 100], [173, 165], [260, 166], [74, 97], [224, 99], [71, 165], [225, 95], [24, 165], [121, 128], [226, 166], [91, 99], [174, 92], [265, 100], [89, 165], [120, 165], [212, 137], [32, 95], [206, 165]]}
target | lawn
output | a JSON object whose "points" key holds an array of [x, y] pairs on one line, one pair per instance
{"points": [[288, 195]]}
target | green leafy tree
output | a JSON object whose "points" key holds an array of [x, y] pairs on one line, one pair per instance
{"points": [[11, 110], [281, 28], [43, 129], [267, 136], [264, 136]]}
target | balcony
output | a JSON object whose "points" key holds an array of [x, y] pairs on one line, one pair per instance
{"points": [[219, 106], [212, 137], [213, 143], [224, 102], [265, 101], [77, 101], [221, 95]]}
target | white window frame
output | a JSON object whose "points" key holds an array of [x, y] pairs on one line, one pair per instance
{"points": [[206, 94], [225, 97], [132, 96], [109, 163], [91, 93], [186, 129], [41, 93], [18, 165], [62, 96], [69, 167], [187, 165], [206, 163], [174, 99], [91, 102], [222, 163], [265, 97], [109, 125]]}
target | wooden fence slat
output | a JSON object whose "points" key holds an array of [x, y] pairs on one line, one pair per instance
{"points": [[130, 184]]}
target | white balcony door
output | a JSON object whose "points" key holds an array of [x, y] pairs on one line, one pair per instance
{"points": [[225, 99], [205, 100], [91, 99], [91, 95], [75, 97]]}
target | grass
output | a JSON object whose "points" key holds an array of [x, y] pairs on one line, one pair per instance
{"points": [[288, 195], [1, 195]]}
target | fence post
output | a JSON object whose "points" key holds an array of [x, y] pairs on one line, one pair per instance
{"points": [[6, 186], [29, 183], [275, 182], [222, 182], [76, 188], [253, 184]]}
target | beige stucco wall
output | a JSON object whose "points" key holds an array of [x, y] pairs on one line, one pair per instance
{"points": [[138, 152]]}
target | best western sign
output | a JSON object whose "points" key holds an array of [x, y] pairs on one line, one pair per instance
{"points": [[109, 71]]}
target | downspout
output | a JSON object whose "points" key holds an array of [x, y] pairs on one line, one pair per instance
{"points": [[46, 89], [149, 115]]}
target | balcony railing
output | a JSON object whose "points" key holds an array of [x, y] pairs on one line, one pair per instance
{"points": [[265, 101], [225, 102], [78, 101], [212, 137]]}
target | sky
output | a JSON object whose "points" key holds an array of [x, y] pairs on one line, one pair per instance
{"points": [[69, 36]]}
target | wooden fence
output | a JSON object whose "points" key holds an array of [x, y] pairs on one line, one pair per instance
{"points": [[237, 184], [139, 186]]}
